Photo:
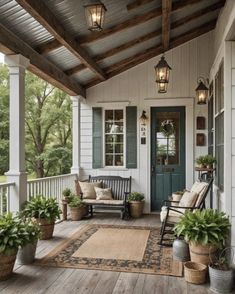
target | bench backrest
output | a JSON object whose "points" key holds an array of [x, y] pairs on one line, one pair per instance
{"points": [[119, 185]]}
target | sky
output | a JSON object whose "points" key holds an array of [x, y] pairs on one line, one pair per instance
{"points": [[1, 58]]}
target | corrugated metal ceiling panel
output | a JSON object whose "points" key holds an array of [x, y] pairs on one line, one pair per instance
{"points": [[22, 24]]}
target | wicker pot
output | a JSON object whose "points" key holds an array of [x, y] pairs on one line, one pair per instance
{"points": [[176, 197], [26, 255], [77, 213], [202, 253], [7, 262], [194, 272], [136, 208], [221, 281], [46, 227]]}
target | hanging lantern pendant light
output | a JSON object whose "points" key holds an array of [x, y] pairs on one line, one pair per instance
{"points": [[202, 91], [162, 71], [95, 13]]}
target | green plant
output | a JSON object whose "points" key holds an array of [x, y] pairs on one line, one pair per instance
{"points": [[201, 160], [33, 231], [136, 196], [13, 233], [223, 261], [67, 192], [209, 159], [205, 227], [179, 192], [76, 202], [41, 207]]}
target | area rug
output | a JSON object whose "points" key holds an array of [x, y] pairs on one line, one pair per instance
{"points": [[115, 248]]}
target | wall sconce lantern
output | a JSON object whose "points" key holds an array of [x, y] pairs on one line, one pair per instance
{"points": [[143, 118], [95, 12], [202, 91], [162, 71]]}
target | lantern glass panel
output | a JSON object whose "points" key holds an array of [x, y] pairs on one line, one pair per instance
{"points": [[95, 16], [162, 87], [202, 96], [162, 74]]}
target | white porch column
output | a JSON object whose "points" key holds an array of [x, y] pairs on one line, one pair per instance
{"points": [[76, 134], [18, 193]]}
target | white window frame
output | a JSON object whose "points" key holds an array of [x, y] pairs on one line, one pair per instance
{"points": [[124, 137]]}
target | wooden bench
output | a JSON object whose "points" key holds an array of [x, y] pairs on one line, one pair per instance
{"points": [[120, 186]]}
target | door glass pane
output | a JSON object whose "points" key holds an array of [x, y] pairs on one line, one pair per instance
{"points": [[167, 138]]}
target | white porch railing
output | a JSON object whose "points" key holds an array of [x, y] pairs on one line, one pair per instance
{"points": [[5, 197], [51, 187]]}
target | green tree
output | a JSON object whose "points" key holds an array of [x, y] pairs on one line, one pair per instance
{"points": [[48, 126]]}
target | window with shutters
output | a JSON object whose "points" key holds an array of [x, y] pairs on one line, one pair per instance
{"points": [[114, 137]]}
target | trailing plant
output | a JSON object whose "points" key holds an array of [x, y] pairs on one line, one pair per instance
{"points": [[13, 233], [33, 232], [204, 227], [136, 196], [223, 260], [76, 202], [209, 160], [42, 208]]}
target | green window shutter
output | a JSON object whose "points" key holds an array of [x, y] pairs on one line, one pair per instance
{"points": [[131, 137], [97, 142]]}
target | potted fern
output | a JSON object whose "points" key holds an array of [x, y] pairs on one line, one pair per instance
{"points": [[27, 250], [12, 235], [77, 208], [45, 212], [136, 204], [205, 231]]}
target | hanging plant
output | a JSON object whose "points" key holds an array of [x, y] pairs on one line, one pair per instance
{"points": [[167, 128]]}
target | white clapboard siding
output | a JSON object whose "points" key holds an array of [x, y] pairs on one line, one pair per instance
{"points": [[137, 87]]}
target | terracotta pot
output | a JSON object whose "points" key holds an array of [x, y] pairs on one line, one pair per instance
{"points": [[136, 208], [7, 262], [46, 227], [202, 253], [77, 213]]}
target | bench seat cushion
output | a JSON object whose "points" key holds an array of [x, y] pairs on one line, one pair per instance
{"points": [[103, 202]]}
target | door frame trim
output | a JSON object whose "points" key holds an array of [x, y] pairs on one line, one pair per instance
{"points": [[189, 137]]}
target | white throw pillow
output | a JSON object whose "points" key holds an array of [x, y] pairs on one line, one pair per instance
{"points": [[103, 194], [188, 199], [88, 189]]}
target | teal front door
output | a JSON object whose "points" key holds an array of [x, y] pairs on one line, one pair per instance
{"points": [[167, 153]]}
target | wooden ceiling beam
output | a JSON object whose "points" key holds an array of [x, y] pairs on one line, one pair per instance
{"points": [[48, 20], [166, 23], [12, 44], [154, 51], [148, 36], [132, 22], [137, 3]]}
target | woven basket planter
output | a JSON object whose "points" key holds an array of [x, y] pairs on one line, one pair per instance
{"points": [[136, 208], [7, 262], [77, 213], [202, 253], [194, 272], [46, 227]]}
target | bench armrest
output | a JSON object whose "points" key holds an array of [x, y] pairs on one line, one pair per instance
{"points": [[167, 202]]}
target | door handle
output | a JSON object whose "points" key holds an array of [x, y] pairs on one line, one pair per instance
{"points": [[153, 169]]}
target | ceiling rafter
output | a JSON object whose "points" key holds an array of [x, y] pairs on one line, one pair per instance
{"points": [[47, 19], [148, 36], [166, 23], [154, 51], [137, 3], [132, 22], [12, 44]]}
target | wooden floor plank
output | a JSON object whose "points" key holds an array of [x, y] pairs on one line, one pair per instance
{"points": [[177, 286], [126, 283], [155, 284], [106, 283]]}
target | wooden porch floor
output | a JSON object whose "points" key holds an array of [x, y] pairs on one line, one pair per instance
{"points": [[35, 279]]}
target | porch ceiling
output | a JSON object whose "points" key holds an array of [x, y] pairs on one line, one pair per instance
{"points": [[53, 35]]}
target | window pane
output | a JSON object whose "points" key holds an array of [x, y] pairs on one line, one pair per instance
{"points": [[114, 138]]}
